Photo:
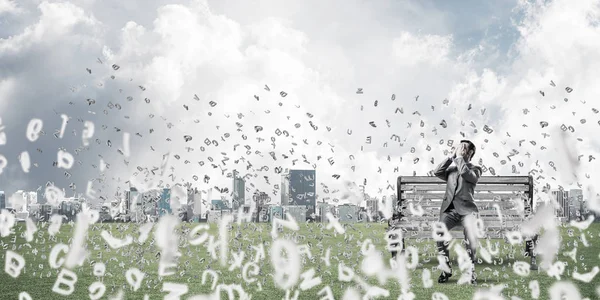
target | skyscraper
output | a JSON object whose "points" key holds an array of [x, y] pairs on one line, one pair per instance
{"points": [[32, 198], [348, 213], [40, 195], [2, 200], [47, 210], [260, 199], [194, 204], [70, 207], [18, 201], [303, 189], [362, 215], [264, 215], [131, 200], [164, 204], [276, 211], [575, 204], [562, 198], [219, 204], [133, 205], [298, 212], [239, 189], [149, 202], [285, 188], [373, 208], [323, 209], [201, 203]]}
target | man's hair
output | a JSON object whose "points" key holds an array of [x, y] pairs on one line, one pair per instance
{"points": [[471, 147]]}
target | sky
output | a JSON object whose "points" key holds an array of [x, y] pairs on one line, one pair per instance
{"points": [[219, 71]]}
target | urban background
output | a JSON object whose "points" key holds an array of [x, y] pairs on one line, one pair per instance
{"points": [[298, 198]]}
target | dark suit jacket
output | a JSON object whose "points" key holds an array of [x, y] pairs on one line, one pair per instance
{"points": [[461, 181]]}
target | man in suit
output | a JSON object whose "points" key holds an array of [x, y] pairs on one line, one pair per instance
{"points": [[458, 201]]}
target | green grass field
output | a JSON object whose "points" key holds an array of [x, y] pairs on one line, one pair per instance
{"points": [[37, 278]]}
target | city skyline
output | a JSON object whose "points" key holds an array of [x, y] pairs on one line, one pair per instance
{"points": [[240, 182], [570, 206]]}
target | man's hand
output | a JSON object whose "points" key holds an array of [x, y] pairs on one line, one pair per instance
{"points": [[461, 151], [456, 151], [465, 151]]}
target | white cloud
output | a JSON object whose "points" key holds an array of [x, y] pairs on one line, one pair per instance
{"points": [[9, 7], [222, 53], [58, 20], [7, 86], [411, 50]]}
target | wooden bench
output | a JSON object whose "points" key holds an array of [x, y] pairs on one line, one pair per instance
{"points": [[513, 195]]}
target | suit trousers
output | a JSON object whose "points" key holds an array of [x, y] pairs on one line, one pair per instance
{"points": [[451, 219]]}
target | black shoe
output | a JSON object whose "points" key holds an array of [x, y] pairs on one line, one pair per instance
{"points": [[473, 276], [473, 279], [444, 277], [533, 265]]}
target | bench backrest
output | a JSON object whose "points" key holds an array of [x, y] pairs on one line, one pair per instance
{"points": [[513, 195]]}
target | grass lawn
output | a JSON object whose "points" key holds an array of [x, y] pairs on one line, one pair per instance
{"points": [[37, 278]]}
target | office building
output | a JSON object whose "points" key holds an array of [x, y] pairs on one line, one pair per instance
{"points": [[202, 203], [372, 209], [562, 199], [124, 203], [298, 212], [348, 213], [264, 214], [32, 198], [28, 198], [190, 213], [131, 202], [219, 204], [46, 211], [40, 195], [303, 189], [182, 212], [586, 212], [323, 209], [276, 211], [121, 206], [2, 200], [285, 188], [335, 211], [198, 205], [260, 200], [149, 202], [239, 190], [34, 212], [70, 207], [164, 204], [194, 201], [135, 203], [363, 216], [18, 201], [575, 204]]}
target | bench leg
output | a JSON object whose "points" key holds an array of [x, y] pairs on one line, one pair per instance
{"points": [[530, 251], [392, 235]]}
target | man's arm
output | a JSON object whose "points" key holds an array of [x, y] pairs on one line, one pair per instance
{"points": [[440, 170], [469, 175]]}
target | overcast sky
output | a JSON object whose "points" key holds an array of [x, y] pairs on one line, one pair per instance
{"points": [[462, 62]]}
